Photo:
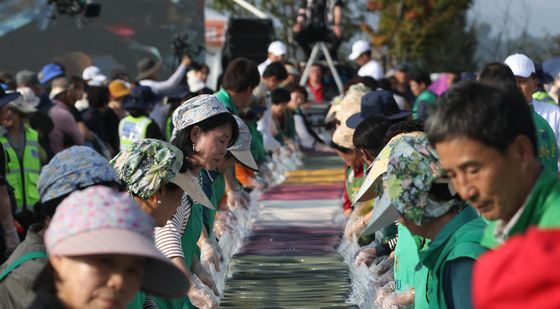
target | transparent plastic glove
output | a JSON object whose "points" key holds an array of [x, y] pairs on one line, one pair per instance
{"points": [[353, 220], [200, 295], [245, 198], [365, 255], [384, 266], [399, 300], [233, 198], [210, 255], [384, 291], [384, 279], [204, 276], [258, 183], [221, 227], [355, 227]]}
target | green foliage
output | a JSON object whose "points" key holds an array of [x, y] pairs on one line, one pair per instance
{"points": [[430, 33]]}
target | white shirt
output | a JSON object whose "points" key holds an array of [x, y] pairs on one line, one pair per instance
{"points": [[372, 69], [263, 66], [551, 113]]}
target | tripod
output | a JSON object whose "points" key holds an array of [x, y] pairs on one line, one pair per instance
{"points": [[311, 60]]}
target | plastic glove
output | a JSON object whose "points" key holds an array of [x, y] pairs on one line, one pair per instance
{"points": [[384, 279], [258, 183], [384, 291], [366, 255], [210, 255], [233, 198], [355, 227], [200, 295], [399, 300], [384, 266], [204, 276], [245, 198], [221, 228]]}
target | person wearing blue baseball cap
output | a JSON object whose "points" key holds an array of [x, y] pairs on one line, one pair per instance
{"points": [[378, 103], [51, 71], [137, 125]]}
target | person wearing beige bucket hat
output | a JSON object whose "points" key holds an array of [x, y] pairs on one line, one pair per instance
{"points": [[101, 252]]}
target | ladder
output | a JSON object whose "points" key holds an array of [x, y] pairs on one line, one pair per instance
{"points": [[311, 60]]}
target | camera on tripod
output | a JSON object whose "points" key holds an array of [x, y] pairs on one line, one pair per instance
{"points": [[74, 8]]}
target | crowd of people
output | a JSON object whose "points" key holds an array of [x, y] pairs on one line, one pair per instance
{"points": [[115, 192]]}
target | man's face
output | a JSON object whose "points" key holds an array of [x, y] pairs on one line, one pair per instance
{"points": [[484, 177], [527, 87], [401, 77], [316, 73], [271, 83], [275, 58], [362, 59], [417, 88]]}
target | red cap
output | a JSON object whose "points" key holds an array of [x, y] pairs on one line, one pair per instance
{"points": [[523, 273]]}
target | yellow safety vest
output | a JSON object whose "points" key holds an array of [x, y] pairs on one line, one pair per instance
{"points": [[132, 129], [22, 175]]}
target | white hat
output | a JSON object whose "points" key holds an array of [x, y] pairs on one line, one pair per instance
{"points": [[21, 105], [520, 65], [28, 96], [277, 48], [92, 75], [241, 150], [359, 47]]}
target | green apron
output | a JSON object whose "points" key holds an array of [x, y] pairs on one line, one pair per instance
{"points": [[406, 260], [188, 242], [218, 192]]}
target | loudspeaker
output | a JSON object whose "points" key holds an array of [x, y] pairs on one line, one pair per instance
{"points": [[247, 37]]}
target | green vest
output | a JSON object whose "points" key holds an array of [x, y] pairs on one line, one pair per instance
{"points": [[218, 192], [223, 96], [188, 242], [547, 150], [353, 184], [132, 129], [427, 97], [289, 129], [459, 238], [541, 210], [22, 175]]}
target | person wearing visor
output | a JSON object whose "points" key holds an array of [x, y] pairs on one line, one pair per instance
{"points": [[418, 194], [203, 129], [73, 169], [101, 252]]}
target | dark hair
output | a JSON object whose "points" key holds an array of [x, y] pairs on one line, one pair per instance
{"points": [[369, 81], [370, 133], [421, 78], [184, 142], [300, 89], [276, 69], [76, 82], [280, 96], [339, 148], [403, 127], [385, 84], [45, 279], [199, 66], [497, 74], [98, 96], [241, 74], [491, 115]]}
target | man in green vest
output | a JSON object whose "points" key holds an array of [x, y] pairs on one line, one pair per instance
{"points": [[419, 83], [485, 137], [22, 152], [418, 193], [137, 125]]}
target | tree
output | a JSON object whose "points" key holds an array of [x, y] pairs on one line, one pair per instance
{"points": [[432, 34]]}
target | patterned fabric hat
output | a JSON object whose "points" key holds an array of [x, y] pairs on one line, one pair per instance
{"points": [[73, 169], [241, 149], [370, 187], [196, 110], [102, 221], [412, 169], [147, 164]]}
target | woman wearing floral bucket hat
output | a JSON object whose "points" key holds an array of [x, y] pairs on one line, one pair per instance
{"points": [[101, 252], [157, 177], [203, 130], [418, 193]]}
